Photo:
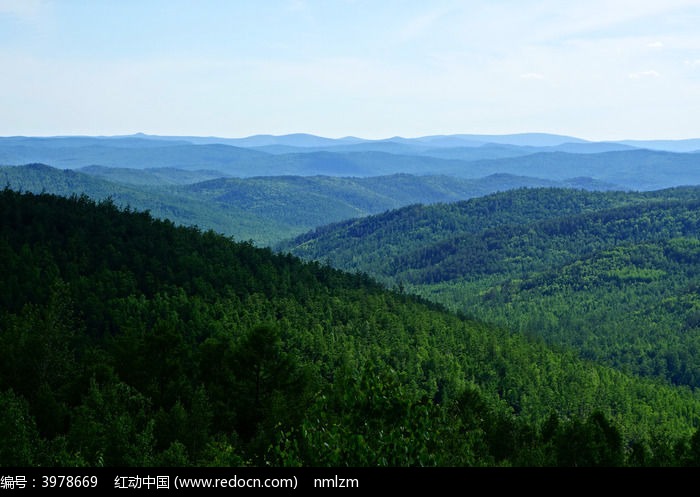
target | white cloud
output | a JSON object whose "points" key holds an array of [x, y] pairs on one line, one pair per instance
{"points": [[532, 75], [644, 74], [22, 9], [296, 5], [692, 63], [420, 25], [576, 19], [655, 44]]}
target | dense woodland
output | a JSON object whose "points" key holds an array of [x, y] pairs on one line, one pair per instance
{"points": [[263, 209], [610, 275], [129, 341]]}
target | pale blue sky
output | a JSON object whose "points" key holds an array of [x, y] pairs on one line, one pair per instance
{"points": [[600, 70]]}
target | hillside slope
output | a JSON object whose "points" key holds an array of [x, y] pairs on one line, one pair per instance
{"points": [[262, 209], [128, 341], [611, 275]]}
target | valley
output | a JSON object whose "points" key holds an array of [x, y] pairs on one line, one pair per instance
{"points": [[438, 301]]}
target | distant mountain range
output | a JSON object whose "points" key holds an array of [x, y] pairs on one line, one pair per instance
{"points": [[303, 140], [639, 165]]}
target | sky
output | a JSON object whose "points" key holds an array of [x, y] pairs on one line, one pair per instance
{"points": [[594, 69]]}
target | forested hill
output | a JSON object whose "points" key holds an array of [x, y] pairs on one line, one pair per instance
{"points": [[375, 244], [611, 275], [262, 209], [126, 340], [163, 200]]}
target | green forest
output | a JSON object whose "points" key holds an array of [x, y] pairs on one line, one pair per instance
{"points": [[612, 276], [126, 340], [261, 209]]}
